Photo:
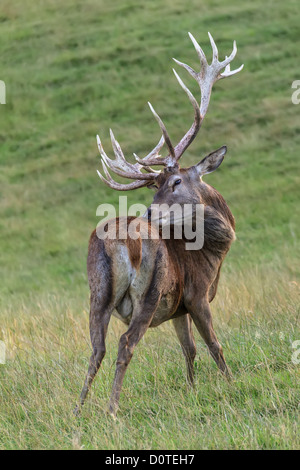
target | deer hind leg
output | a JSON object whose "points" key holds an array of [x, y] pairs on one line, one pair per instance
{"points": [[201, 315], [183, 328], [99, 319]]}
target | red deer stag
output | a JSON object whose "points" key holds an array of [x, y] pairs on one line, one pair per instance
{"points": [[145, 282]]}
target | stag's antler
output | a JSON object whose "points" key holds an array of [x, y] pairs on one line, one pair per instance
{"points": [[207, 76], [123, 168]]}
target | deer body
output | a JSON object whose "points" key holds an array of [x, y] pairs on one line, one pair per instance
{"points": [[149, 280], [139, 271]]}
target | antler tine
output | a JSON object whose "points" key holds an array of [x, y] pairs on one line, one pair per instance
{"points": [[188, 68], [153, 157], [169, 160], [214, 47], [120, 159], [120, 166], [120, 187], [197, 118], [231, 57], [154, 153], [227, 72], [120, 162], [200, 52], [207, 76], [188, 92]]}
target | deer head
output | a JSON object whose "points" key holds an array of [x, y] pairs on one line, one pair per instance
{"points": [[174, 184]]}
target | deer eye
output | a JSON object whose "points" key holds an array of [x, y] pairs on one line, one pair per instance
{"points": [[177, 182]]}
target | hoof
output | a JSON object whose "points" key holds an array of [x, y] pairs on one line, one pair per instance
{"points": [[112, 413], [77, 411], [113, 416]]}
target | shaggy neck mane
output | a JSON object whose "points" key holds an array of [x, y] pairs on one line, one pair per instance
{"points": [[219, 225]]}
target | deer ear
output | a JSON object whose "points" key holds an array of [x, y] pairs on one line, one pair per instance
{"points": [[211, 162]]}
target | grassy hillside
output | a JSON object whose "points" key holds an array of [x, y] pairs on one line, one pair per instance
{"points": [[74, 69]]}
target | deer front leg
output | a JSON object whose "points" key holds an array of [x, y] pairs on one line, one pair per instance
{"points": [[201, 315], [183, 328]]}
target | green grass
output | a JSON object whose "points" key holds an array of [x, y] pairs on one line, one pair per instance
{"points": [[75, 69]]}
